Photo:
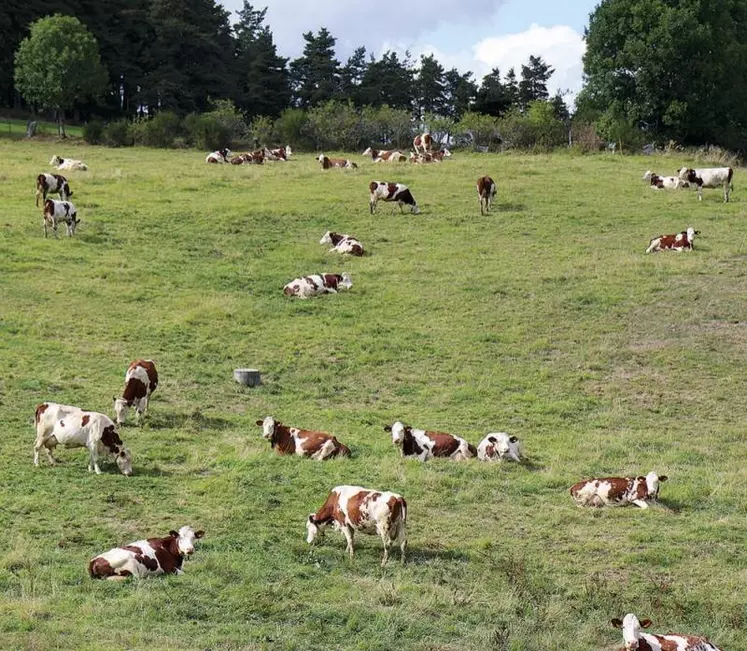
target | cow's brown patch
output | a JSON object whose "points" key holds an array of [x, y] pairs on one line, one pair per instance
{"points": [[356, 505], [444, 444], [373, 186], [290, 290], [99, 568], [336, 238], [391, 191], [167, 553], [619, 487], [150, 370], [85, 420], [282, 440], [340, 449], [406, 197], [135, 389], [356, 249], [329, 510], [40, 409], [397, 506], [111, 440], [146, 561], [332, 280]]}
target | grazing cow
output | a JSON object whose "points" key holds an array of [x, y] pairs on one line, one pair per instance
{"points": [[636, 640], [664, 182], [618, 491], [327, 162], [381, 190], [146, 557], [676, 242], [352, 508], [52, 184], [141, 380], [425, 444], [301, 442], [499, 446], [709, 177], [388, 156], [219, 156], [342, 243], [45, 417], [88, 429], [317, 284], [60, 211], [422, 143], [486, 190], [68, 164]]}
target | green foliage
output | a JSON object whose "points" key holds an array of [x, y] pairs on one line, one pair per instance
{"points": [[389, 81], [482, 129], [118, 134], [263, 129], [533, 84], [290, 127], [159, 131], [492, 97], [334, 125], [547, 130], [93, 132], [386, 127], [315, 76], [59, 64], [430, 86], [231, 120], [615, 127], [205, 131], [544, 319]]}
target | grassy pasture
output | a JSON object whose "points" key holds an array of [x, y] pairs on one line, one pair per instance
{"points": [[543, 319], [15, 128]]}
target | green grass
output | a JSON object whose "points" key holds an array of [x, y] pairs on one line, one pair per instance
{"points": [[543, 319], [13, 128]]}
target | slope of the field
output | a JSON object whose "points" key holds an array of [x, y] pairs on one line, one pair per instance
{"points": [[544, 319]]}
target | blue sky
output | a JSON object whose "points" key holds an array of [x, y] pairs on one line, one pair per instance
{"points": [[472, 35]]}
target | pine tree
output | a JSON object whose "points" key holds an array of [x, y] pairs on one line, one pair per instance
{"points": [[493, 98], [461, 91], [388, 81], [315, 76], [512, 88], [533, 84], [351, 77], [430, 86]]}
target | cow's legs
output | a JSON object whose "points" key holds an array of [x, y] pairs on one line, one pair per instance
{"points": [[48, 444], [387, 540], [93, 462], [347, 531]]}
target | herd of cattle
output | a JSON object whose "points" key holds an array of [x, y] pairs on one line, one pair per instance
{"points": [[348, 509]]}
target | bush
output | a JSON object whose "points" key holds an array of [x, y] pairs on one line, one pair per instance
{"points": [[117, 134], [231, 121], [613, 126], [290, 128], [206, 132], [334, 125], [93, 132], [262, 129], [158, 131], [547, 131], [585, 138], [482, 129], [386, 127]]}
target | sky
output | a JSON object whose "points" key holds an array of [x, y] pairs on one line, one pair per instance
{"points": [[475, 35]]}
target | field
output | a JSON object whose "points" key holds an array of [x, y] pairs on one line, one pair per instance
{"points": [[544, 319], [13, 128]]}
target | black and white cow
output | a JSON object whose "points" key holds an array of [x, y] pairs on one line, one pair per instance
{"points": [[56, 212], [381, 190], [52, 184], [342, 243]]}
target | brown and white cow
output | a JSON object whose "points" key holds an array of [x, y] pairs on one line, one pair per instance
{"points": [[219, 156], [301, 442], [146, 557], [425, 445], [84, 429], [664, 182], [422, 143], [316, 284], [709, 177], [45, 417], [52, 184], [326, 162], [618, 491], [486, 190], [676, 242], [68, 164], [56, 212], [636, 640], [342, 243], [384, 155], [141, 380], [381, 190], [352, 508], [279, 154], [499, 446]]}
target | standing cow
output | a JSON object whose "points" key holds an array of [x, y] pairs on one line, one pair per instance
{"points": [[352, 508], [146, 557], [141, 380], [60, 211], [486, 190], [52, 184], [709, 177], [422, 143], [382, 191]]}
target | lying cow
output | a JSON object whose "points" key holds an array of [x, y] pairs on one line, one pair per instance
{"points": [[499, 446], [60, 211], [709, 177], [636, 640], [486, 190], [78, 429], [219, 156], [618, 491], [141, 380], [146, 557], [68, 164], [301, 442], [352, 508], [52, 184], [386, 156], [676, 242], [425, 445], [317, 284], [279, 154], [398, 192], [45, 417], [345, 244], [664, 182], [422, 143], [327, 162]]}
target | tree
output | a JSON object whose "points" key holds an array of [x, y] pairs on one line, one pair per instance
{"points": [[59, 65], [263, 82], [512, 88], [430, 86], [678, 70], [533, 84], [315, 76], [351, 77], [388, 81], [461, 91], [492, 97]]}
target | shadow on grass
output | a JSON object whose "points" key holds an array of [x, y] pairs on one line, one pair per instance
{"points": [[194, 420], [509, 207], [424, 556], [672, 506]]}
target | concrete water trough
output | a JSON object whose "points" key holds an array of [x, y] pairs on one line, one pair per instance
{"points": [[249, 377]]}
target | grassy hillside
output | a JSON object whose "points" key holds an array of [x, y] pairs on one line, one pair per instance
{"points": [[543, 319]]}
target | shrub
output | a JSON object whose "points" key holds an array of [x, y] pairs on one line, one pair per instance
{"points": [[117, 134], [290, 128], [546, 130], [585, 137], [386, 127], [93, 132], [262, 129], [481, 129], [206, 132], [613, 126], [334, 125], [158, 131]]}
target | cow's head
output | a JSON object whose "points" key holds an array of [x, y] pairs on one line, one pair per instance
{"points": [[631, 629], [120, 409], [415, 210], [268, 427], [398, 430], [185, 539], [446, 153], [345, 281], [691, 233], [647, 176], [506, 445], [326, 238], [56, 160], [368, 152], [288, 151], [652, 484], [124, 461], [314, 528]]}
